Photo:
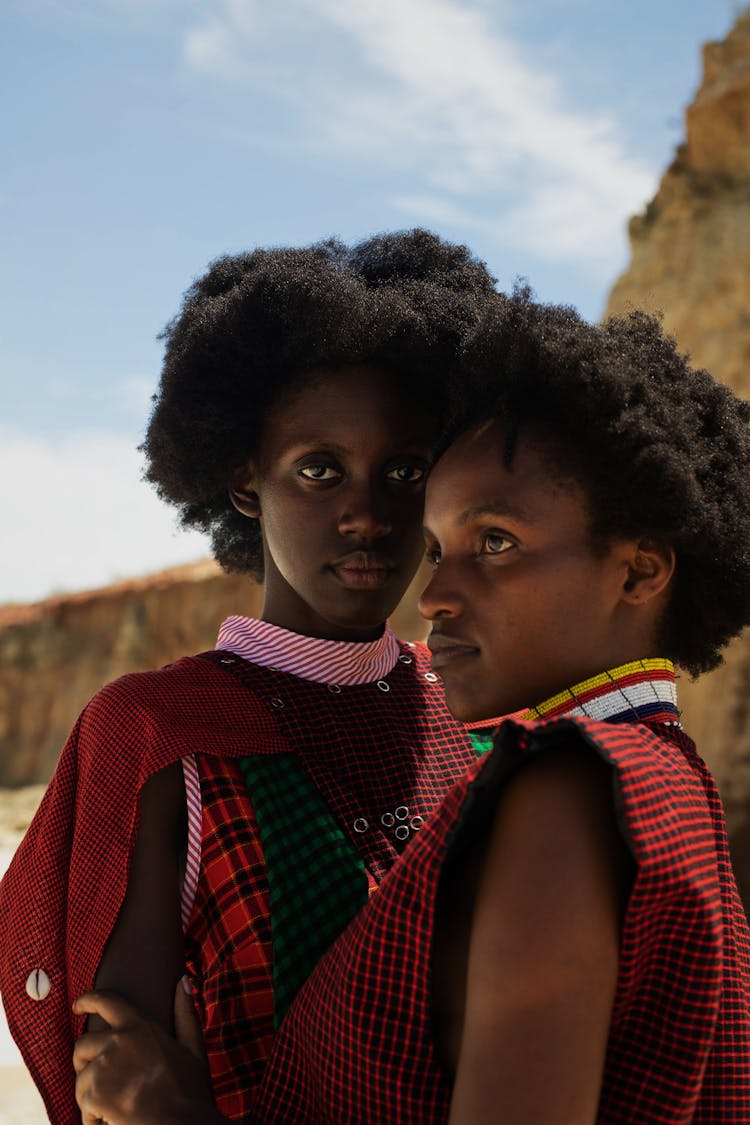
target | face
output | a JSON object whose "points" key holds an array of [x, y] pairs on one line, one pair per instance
{"points": [[338, 487], [521, 604]]}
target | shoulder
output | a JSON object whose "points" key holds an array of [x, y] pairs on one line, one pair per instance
{"points": [[144, 722], [194, 700], [665, 799], [554, 855], [560, 792]]}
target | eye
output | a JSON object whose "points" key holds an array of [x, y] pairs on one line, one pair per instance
{"points": [[407, 474], [319, 472], [493, 543], [433, 555]]}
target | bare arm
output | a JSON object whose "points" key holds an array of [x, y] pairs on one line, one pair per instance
{"points": [[144, 957], [544, 949]]}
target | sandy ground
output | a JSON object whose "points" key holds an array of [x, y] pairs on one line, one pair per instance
{"points": [[20, 1103]]}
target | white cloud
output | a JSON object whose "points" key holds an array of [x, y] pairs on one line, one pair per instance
{"points": [[75, 514], [438, 90]]}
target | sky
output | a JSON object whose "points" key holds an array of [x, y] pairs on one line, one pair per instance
{"points": [[143, 138]]}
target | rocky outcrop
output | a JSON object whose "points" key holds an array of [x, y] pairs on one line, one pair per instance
{"points": [[55, 654], [691, 260]]}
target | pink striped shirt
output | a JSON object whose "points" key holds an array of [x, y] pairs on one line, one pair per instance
{"points": [[324, 662], [345, 663]]}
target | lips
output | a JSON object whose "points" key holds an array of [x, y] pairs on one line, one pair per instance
{"points": [[447, 650], [363, 570]]}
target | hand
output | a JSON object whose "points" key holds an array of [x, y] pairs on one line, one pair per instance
{"points": [[134, 1072]]}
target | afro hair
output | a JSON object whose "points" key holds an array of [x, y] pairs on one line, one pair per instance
{"points": [[661, 449], [256, 323]]}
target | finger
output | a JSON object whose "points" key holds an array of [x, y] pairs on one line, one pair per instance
{"points": [[91, 1111], [109, 1006], [89, 1047], [187, 1027]]}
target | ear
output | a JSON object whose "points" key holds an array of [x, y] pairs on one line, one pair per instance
{"points": [[650, 569], [242, 491]]}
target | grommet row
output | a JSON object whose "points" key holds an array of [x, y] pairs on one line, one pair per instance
{"points": [[397, 820]]}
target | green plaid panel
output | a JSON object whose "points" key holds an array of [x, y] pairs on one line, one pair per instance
{"points": [[316, 879], [482, 740]]}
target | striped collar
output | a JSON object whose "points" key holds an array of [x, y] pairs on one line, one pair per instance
{"points": [[642, 691], [324, 662]]}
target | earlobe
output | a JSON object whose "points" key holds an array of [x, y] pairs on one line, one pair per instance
{"points": [[242, 492], [650, 571]]}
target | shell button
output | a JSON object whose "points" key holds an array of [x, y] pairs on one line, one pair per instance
{"points": [[38, 985]]}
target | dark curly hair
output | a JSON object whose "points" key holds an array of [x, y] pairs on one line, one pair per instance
{"points": [[257, 322], [661, 449]]}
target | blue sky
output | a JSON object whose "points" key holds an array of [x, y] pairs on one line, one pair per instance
{"points": [[142, 138]]}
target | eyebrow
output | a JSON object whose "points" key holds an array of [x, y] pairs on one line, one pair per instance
{"points": [[483, 510], [494, 510], [410, 448]]}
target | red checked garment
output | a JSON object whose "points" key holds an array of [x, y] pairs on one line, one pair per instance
{"points": [[62, 893], [357, 1044]]}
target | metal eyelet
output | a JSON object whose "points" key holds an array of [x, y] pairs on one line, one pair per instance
{"points": [[334, 689], [402, 832], [360, 824], [388, 820], [416, 822], [384, 685], [406, 659], [402, 813], [227, 660], [277, 703], [431, 677]]}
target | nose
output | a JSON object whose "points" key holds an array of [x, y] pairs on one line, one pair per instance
{"points": [[441, 598], [366, 513]]}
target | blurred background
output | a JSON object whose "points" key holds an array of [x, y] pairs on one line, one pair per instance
{"points": [[600, 150]]}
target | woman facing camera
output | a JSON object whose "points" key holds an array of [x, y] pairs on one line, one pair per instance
{"points": [[225, 817]]}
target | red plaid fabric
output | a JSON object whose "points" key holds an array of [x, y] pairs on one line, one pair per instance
{"points": [[369, 752], [60, 897], [228, 953], [357, 1046]]}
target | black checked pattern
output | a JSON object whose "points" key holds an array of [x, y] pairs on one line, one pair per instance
{"points": [[61, 895], [356, 1046]]}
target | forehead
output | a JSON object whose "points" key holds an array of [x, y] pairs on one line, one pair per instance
{"points": [[338, 403], [472, 478]]}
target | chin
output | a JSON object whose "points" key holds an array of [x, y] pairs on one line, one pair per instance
{"points": [[463, 709], [467, 708]]}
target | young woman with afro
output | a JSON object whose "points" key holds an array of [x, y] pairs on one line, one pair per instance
{"points": [[226, 816], [564, 941]]}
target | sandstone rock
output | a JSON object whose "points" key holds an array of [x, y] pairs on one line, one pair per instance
{"points": [[55, 654], [691, 260]]}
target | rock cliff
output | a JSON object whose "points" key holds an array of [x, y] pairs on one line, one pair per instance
{"points": [[55, 654], [691, 260]]}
